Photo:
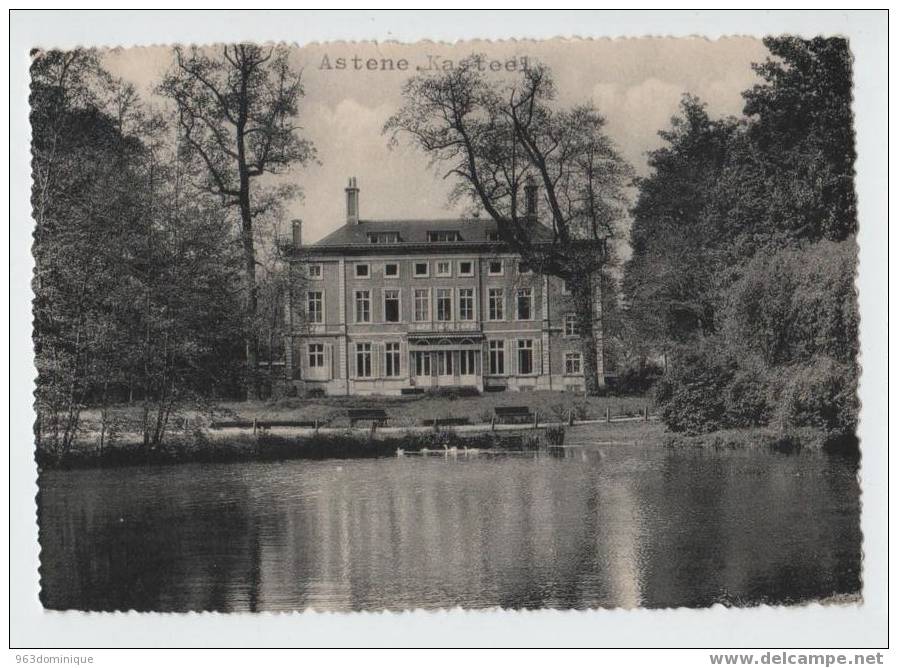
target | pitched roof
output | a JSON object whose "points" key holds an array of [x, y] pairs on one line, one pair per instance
{"points": [[475, 230]]}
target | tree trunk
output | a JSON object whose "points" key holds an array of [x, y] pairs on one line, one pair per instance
{"points": [[249, 252], [586, 291]]}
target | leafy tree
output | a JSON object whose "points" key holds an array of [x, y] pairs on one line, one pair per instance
{"points": [[237, 112], [501, 140], [744, 247], [670, 279], [135, 279], [801, 124]]}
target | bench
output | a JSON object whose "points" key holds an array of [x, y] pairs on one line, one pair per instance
{"points": [[510, 414], [375, 415], [445, 422]]}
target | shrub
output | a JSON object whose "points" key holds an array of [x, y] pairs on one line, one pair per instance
{"points": [[635, 379], [560, 411], [821, 394], [555, 436], [691, 396], [746, 399], [315, 393], [453, 393]]}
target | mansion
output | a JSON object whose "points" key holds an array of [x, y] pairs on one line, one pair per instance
{"points": [[404, 306]]}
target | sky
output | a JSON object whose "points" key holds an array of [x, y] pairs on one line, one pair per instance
{"points": [[635, 83]]}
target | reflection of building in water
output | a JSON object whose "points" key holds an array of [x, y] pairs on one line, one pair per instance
{"points": [[435, 532], [619, 534]]}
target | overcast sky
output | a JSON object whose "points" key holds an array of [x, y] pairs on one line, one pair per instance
{"points": [[636, 84]]}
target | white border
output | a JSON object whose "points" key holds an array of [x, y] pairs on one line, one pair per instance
{"points": [[808, 626]]}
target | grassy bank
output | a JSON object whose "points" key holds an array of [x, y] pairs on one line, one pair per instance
{"points": [[768, 438], [241, 446], [405, 411]]}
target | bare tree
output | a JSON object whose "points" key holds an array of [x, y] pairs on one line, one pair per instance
{"points": [[237, 110], [498, 138]]}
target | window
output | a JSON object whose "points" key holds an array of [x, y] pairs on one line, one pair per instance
{"points": [[466, 362], [465, 268], [492, 236], [497, 358], [315, 272], [466, 303], [363, 306], [362, 271], [363, 360], [443, 235], [315, 307], [573, 363], [570, 325], [391, 359], [564, 288], [316, 355], [391, 270], [497, 303], [444, 304], [383, 237], [422, 363], [444, 362], [525, 303], [495, 267], [391, 305], [421, 269], [444, 268], [422, 305], [524, 268], [525, 356]]}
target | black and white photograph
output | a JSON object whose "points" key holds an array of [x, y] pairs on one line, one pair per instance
{"points": [[359, 326]]}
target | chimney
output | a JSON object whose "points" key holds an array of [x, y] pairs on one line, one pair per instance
{"points": [[297, 232], [530, 197], [352, 202]]}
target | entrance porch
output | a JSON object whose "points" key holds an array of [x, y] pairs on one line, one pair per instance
{"points": [[445, 362]]}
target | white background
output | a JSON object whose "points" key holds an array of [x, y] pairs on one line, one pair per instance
{"points": [[806, 626]]}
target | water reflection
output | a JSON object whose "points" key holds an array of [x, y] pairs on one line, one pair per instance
{"points": [[617, 526]]}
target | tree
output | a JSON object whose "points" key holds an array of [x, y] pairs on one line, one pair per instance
{"points": [[237, 113], [670, 279], [135, 272], [498, 141], [86, 197], [744, 251], [802, 127]]}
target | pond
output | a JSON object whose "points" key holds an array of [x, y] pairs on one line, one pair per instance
{"points": [[587, 526]]}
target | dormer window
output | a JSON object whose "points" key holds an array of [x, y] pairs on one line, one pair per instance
{"points": [[383, 237], [442, 236]]}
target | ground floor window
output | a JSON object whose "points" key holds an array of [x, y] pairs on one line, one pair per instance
{"points": [[525, 356], [391, 359], [363, 360], [466, 362], [422, 363], [316, 355], [497, 358], [573, 363], [444, 363]]}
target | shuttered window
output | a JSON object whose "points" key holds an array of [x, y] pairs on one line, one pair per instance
{"points": [[363, 360]]}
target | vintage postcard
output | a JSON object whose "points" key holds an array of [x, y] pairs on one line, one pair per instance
{"points": [[558, 324]]}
